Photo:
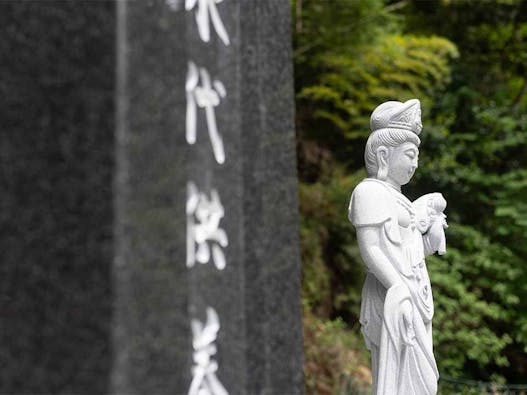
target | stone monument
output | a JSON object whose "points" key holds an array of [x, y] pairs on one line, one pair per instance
{"points": [[149, 205], [394, 236]]}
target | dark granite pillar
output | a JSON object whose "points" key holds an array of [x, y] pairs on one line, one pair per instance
{"points": [[102, 180], [57, 62], [244, 65], [152, 340]]}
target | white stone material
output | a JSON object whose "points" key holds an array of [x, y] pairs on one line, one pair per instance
{"points": [[204, 234], [394, 236], [205, 14], [204, 379], [207, 96]]}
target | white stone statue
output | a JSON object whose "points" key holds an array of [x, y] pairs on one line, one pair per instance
{"points": [[394, 236]]}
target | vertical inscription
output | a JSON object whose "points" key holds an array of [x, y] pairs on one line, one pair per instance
{"points": [[206, 240]]}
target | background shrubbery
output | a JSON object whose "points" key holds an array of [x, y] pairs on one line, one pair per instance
{"points": [[467, 63]]}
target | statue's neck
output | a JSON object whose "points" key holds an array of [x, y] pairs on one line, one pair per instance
{"points": [[391, 184], [396, 191], [386, 183]]}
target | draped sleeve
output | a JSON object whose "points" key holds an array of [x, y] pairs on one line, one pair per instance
{"points": [[370, 204]]}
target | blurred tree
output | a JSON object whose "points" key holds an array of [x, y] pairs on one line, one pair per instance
{"points": [[467, 61], [482, 164]]}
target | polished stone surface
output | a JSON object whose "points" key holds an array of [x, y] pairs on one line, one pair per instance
{"points": [[96, 296], [56, 164], [258, 294], [151, 326]]}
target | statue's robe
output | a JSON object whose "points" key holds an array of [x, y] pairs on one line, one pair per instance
{"points": [[402, 356]]}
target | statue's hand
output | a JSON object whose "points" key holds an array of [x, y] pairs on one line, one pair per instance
{"points": [[400, 314], [407, 311]]}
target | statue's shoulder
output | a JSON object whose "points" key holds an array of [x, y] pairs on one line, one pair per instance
{"points": [[371, 188], [371, 203]]}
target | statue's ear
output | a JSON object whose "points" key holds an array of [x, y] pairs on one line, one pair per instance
{"points": [[382, 161]]}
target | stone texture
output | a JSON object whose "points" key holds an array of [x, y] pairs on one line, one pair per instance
{"points": [[260, 344], [394, 236], [270, 207], [95, 293], [56, 161], [151, 327]]}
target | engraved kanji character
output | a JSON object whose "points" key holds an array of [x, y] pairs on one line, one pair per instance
{"points": [[203, 228], [206, 13], [204, 96], [204, 379]]}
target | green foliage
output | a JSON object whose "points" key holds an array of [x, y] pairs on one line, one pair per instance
{"points": [[397, 66], [332, 273], [473, 290], [480, 157], [466, 61], [328, 345]]}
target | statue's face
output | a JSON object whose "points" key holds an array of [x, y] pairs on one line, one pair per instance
{"points": [[402, 163]]}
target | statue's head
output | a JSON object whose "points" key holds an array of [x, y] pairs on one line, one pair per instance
{"points": [[392, 149]]}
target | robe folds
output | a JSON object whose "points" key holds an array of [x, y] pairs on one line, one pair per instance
{"points": [[402, 353]]}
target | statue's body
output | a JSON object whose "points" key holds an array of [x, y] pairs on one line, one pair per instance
{"points": [[394, 235]]}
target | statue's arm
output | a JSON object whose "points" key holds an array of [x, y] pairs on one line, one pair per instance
{"points": [[379, 264], [374, 258]]}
